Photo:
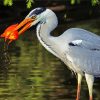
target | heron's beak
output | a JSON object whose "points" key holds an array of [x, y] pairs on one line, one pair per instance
{"points": [[24, 25]]}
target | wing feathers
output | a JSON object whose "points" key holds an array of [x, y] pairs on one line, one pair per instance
{"points": [[85, 44], [85, 56]]}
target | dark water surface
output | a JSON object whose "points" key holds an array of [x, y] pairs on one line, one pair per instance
{"points": [[29, 72]]}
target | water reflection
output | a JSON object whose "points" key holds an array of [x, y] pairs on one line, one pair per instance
{"points": [[34, 74]]}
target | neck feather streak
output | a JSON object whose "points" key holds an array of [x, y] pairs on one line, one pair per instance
{"points": [[43, 34]]}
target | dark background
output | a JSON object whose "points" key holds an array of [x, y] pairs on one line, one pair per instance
{"points": [[65, 11]]}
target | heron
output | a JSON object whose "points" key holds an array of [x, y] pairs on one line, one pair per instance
{"points": [[79, 49]]}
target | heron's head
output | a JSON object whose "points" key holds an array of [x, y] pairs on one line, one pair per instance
{"points": [[37, 15]]}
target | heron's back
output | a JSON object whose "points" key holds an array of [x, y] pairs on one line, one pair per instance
{"points": [[80, 58]]}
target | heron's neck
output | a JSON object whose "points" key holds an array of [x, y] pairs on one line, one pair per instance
{"points": [[43, 33], [44, 36]]}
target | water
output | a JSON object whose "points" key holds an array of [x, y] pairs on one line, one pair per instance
{"points": [[29, 72]]}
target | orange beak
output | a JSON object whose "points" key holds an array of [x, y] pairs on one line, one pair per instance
{"points": [[26, 24]]}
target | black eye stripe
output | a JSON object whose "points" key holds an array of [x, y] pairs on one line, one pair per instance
{"points": [[37, 11]]}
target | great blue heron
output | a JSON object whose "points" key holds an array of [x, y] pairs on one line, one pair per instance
{"points": [[77, 48]]}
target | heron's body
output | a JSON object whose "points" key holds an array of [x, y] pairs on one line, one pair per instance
{"points": [[77, 48], [76, 56]]}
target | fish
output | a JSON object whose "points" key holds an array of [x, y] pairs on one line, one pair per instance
{"points": [[10, 33]]}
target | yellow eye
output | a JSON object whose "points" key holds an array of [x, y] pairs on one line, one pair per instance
{"points": [[33, 17]]}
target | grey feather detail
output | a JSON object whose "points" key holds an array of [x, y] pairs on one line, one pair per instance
{"points": [[84, 59], [85, 44]]}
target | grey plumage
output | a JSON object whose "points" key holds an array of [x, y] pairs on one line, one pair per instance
{"points": [[77, 48], [85, 55]]}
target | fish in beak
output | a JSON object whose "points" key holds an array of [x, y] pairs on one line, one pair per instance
{"points": [[26, 24], [13, 31]]}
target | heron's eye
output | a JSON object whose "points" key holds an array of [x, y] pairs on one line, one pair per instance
{"points": [[33, 17]]}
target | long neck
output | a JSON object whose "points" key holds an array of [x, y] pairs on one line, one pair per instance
{"points": [[44, 36]]}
